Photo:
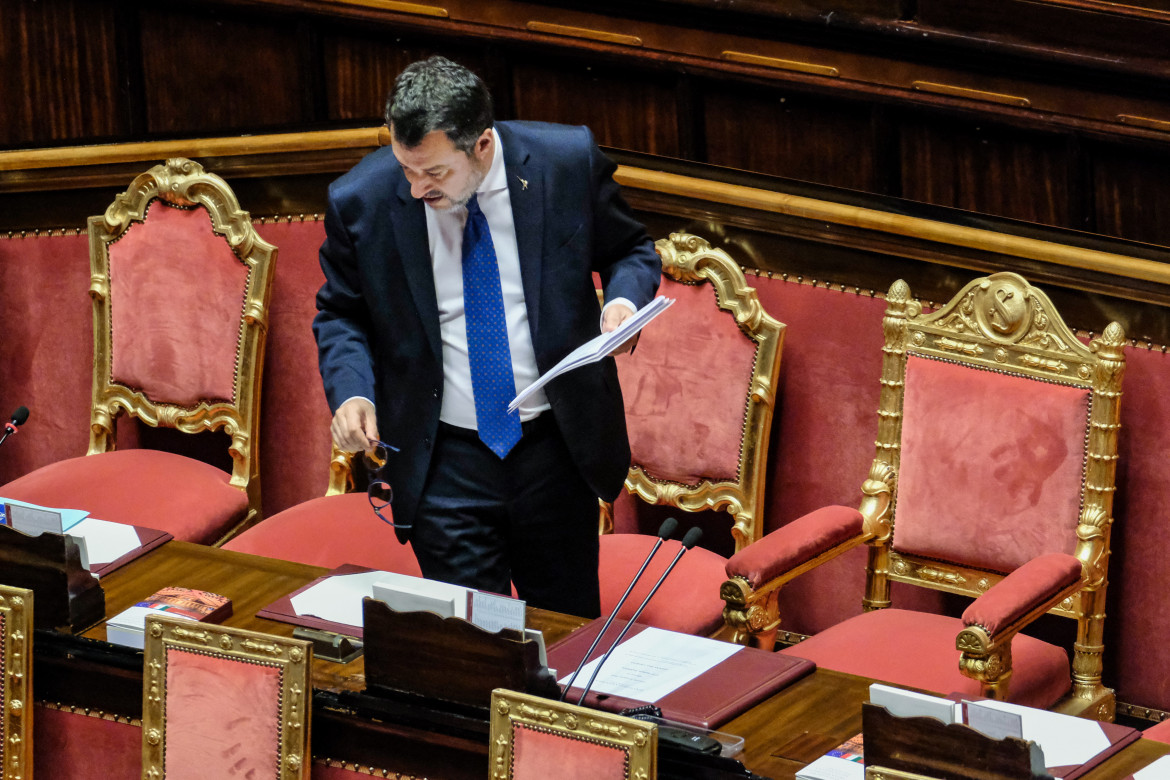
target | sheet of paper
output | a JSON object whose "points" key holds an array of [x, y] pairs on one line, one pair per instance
{"points": [[1065, 740], [1159, 770], [993, 722], [339, 599], [654, 663], [597, 348], [911, 704], [832, 768], [105, 541], [492, 612]]}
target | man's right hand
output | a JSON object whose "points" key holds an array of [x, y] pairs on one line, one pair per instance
{"points": [[354, 425]]}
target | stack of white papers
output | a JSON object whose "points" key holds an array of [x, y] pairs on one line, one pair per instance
{"points": [[595, 349]]}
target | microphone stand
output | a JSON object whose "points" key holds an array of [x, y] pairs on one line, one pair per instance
{"points": [[665, 531], [689, 541]]}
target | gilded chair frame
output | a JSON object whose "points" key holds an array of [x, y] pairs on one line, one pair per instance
{"points": [[1028, 340], [637, 738], [183, 183], [689, 259], [16, 710], [293, 657]]}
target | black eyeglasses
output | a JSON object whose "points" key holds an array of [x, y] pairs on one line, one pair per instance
{"points": [[379, 491]]}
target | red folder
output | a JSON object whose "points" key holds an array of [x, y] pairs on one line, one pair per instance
{"points": [[148, 539], [711, 699]]}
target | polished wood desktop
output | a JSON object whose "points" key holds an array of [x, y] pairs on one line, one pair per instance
{"points": [[781, 734]]}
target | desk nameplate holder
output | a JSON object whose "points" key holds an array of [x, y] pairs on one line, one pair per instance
{"points": [[67, 595], [448, 659], [925, 748]]}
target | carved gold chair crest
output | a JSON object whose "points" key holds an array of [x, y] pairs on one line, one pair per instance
{"points": [[534, 739], [993, 479], [16, 710], [224, 702]]}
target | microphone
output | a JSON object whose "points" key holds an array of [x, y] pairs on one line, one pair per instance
{"points": [[690, 540], [18, 419], [665, 531]]}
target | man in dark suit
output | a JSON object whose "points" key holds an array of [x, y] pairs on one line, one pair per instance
{"points": [[459, 267]]}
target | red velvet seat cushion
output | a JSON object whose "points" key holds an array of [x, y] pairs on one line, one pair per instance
{"points": [[329, 531], [687, 602], [187, 498], [917, 649], [75, 746], [1159, 732]]}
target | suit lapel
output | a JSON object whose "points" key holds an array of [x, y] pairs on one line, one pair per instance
{"points": [[409, 222], [526, 192]]}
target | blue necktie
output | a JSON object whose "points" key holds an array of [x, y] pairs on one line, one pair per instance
{"points": [[492, 381]]}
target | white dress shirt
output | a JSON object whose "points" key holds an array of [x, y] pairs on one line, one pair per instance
{"points": [[445, 234]]}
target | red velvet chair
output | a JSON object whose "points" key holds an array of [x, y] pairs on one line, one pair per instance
{"points": [[993, 479], [699, 393], [337, 528], [180, 283], [537, 739], [224, 702]]}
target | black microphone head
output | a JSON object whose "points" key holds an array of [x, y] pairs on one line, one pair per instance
{"points": [[20, 415], [667, 529], [692, 538]]}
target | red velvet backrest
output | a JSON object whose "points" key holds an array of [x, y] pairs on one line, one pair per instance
{"points": [[691, 370], [223, 718], [176, 302], [540, 755], [991, 467]]}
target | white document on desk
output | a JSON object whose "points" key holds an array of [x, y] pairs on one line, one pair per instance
{"points": [[105, 541], [338, 599], [654, 663], [1159, 770], [1066, 740], [597, 348]]}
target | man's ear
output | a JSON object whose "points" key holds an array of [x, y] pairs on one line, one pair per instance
{"points": [[483, 144]]}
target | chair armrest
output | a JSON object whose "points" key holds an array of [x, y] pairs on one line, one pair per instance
{"points": [[1025, 593], [827, 531]]}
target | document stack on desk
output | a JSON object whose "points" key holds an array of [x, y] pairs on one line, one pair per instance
{"points": [[1070, 746], [103, 545], [693, 680], [334, 602]]}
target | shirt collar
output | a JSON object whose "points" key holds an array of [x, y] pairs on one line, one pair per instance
{"points": [[497, 178]]}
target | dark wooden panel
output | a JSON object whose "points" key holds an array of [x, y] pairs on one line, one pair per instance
{"points": [[1131, 190], [360, 71], [988, 168], [1122, 30], [791, 134], [212, 70], [626, 108], [58, 72]]}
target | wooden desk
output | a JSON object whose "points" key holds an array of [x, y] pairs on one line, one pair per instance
{"points": [[782, 734]]}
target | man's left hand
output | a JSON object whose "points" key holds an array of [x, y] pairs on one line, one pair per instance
{"points": [[613, 317]]}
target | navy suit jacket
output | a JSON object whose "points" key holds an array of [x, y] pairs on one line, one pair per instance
{"points": [[377, 325]]}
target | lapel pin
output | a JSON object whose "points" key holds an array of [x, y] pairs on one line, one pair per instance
{"points": [[523, 183]]}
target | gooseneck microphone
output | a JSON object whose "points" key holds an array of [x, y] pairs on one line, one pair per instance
{"points": [[690, 540], [18, 419], [665, 531]]}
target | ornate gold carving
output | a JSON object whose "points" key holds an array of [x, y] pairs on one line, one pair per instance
{"points": [[951, 345], [16, 655], [183, 183], [941, 575]]}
